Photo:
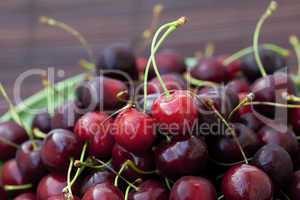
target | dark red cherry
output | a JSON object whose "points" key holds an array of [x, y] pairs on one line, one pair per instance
{"points": [[42, 121], [61, 197], [141, 63], [233, 68], [11, 132], [225, 149], [51, 185], [294, 119], [172, 81], [134, 130], [144, 161], [96, 178], [58, 147], [103, 191], [25, 196], [294, 189], [250, 120], [271, 61], [210, 69], [118, 61], [239, 86], [3, 193], [246, 182], [182, 156], [284, 137], [66, 116], [177, 113], [193, 188], [11, 175], [29, 160], [150, 190], [100, 94], [276, 162]]}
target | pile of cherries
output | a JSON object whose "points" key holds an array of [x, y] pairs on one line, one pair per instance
{"points": [[213, 131]]}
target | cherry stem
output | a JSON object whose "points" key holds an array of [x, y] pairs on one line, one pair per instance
{"points": [[17, 187], [68, 193], [209, 50], [78, 163], [55, 23], [281, 51], [296, 45], [16, 117], [267, 103], [171, 27], [129, 105], [168, 184], [290, 97], [231, 130], [220, 197], [248, 98], [137, 181], [228, 164], [197, 82], [271, 8], [284, 195], [39, 134], [10, 143]]}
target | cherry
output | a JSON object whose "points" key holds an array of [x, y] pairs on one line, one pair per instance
{"points": [[100, 93], [117, 60], [250, 120], [150, 190], [96, 178], [239, 86], [11, 175], [294, 187], [182, 156], [246, 182], [65, 116], [61, 197], [29, 160], [177, 113], [42, 121], [271, 61], [50, 185], [26, 196], [294, 119], [141, 63], [58, 147], [276, 162], [144, 161], [233, 68], [3, 194], [13, 133], [134, 130], [284, 137], [210, 69], [149, 102], [193, 188], [225, 149], [173, 81], [103, 191]]}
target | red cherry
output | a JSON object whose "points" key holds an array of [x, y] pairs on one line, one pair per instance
{"points": [[42, 121], [193, 188], [25, 196], [51, 185], [61, 197], [176, 114], [172, 81], [11, 132], [239, 86], [234, 68], [246, 182], [141, 64], [294, 187], [103, 191], [150, 190], [294, 119], [134, 130], [11, 175]]}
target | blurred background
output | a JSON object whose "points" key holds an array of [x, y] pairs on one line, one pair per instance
{"points": [[229, 24]]}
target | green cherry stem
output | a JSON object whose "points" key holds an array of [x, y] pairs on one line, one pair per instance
{"points": [[69, 187], [137, 181], [296, 45], [79, 164], [198, 82], [271, 8], [39, 134], [290, 97], [248, 98], [228, 164], [267, 103], [273, 47], [167, 183], [17, 187], [220, 197]]}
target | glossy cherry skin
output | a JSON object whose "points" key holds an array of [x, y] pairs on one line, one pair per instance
{"points": [[96, 178], [172, 81], [144, 161], [51, 185], [11, 132], [246, 182], [271, 61], [210, 69], [103, 191], [65, 116], [294, 189], [150, 190], [176, 114], [58, 147], [193, 188], [276, 162], [61, 197], [26, 196], [42, 121], [100, 94], [134, 130], [116, 59], [239, 86], [29, 160], [149, 103], [182, 156], [233, 69], [225, 148], [11, 175], [286, 138], [250, 120]]}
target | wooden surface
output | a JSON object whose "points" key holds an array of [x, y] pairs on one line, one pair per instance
{"points": [[25, 44]]}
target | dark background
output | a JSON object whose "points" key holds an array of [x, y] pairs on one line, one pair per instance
{"points": [[229, 24]]}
